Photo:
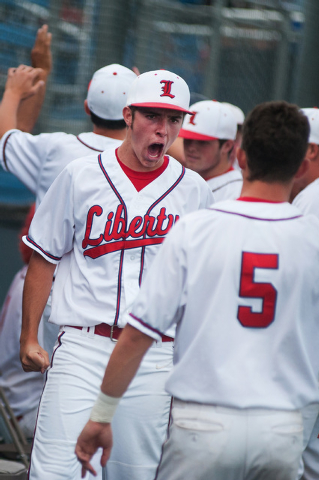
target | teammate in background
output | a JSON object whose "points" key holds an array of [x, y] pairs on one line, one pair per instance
{"points": [[240, 118], [22, 390], [177, 148], [209, 136], [305, 195], [246, 350], [37, 160], [103, 221]]}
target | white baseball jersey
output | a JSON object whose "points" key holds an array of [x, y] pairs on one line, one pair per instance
{"points": [[22, 389], [226, 186], [246, 312], [107, 233], [307, 200], [36, 160]]}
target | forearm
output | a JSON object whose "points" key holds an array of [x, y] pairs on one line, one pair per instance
{"points": [[29, 110], [8, 111], [124, 361], [36, 291]]}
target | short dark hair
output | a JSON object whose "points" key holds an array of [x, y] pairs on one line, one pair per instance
{"points": [[275, 140], [109, 124]]}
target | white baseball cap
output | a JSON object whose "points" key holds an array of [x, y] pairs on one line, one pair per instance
{"points": [[238, 113], [210, 120], [160, 89], [313, 118], [108, 89]]}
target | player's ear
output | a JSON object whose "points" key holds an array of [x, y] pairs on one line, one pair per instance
{"points": [[302, 170], [241, 158], [127, 115], [227, 146], [312, 151], [86, 108]]}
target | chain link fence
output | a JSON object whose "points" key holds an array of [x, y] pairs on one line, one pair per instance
{"points": [[240, 55]]}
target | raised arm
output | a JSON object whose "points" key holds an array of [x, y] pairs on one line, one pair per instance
{"points": [[36, 291], [41, 57], [22, 82]]}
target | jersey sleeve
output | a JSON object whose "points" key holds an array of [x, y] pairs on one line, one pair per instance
{"points": [[51, 232], [23, 155], [162, 296]]}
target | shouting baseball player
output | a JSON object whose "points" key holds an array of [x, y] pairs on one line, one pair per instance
{"points": [[103, 221], [209, 136], [246, 351]]}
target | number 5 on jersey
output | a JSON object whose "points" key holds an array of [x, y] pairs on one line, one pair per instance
{"points": [[251, 289]]}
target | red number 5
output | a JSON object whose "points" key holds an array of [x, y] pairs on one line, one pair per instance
{"points": [[251, 289]]}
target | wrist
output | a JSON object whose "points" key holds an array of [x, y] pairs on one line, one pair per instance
{"points": [[13, 96], [104, 408]]}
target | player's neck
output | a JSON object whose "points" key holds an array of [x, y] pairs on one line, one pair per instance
{"points": [[223, 167], [275, 192], [107, 132]]}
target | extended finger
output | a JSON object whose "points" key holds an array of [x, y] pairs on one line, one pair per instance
{"points": [[87, 467]]}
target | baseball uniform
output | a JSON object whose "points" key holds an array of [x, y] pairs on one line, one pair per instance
{"points": [[104, 234], [22, 390], [307, 202], [246, 348], [36, 160], [226, 186]]}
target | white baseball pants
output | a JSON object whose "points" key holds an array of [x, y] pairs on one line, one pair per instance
{"points": [[216, 443], [73, 382]]}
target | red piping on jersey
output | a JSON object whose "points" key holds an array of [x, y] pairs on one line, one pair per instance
{"points": [[119, 281], [43, 251], [139, 320], [255, 199], [3, 151], [148, 212], [88, 146], [255, 218]]}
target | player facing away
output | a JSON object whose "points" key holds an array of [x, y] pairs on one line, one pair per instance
{"points": [[246, 347], [305, 195], [103, 221], [36, 160], [209, 139]]}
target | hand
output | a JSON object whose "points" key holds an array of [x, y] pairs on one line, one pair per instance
{"points": [[93, 436], [33, 357], [23, 82], [41, 56]]}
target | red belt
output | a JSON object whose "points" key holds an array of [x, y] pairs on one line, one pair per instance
{"points": [[113, 332]]}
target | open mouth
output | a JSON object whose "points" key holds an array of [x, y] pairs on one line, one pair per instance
{"points": [[155, 150]]}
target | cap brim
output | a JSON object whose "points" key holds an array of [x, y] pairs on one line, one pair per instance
{"points": [[195, 136], [167, 106]]}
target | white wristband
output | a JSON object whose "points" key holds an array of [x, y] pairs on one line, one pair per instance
{"points": [[104, 408]]}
